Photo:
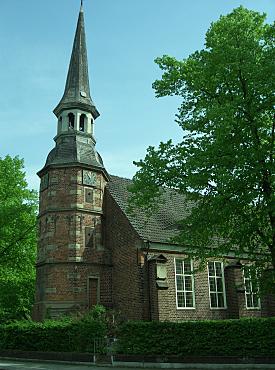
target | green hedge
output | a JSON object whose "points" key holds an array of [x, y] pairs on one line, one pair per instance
{"points": [[60, 336], [244, 338]]}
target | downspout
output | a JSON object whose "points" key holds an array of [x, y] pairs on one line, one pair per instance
{"points": [[148, 280]]}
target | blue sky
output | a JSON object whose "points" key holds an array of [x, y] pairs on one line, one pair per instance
{"points": [[123, 39]]}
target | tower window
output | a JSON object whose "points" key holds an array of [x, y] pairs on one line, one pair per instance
{"points": [[71, 120], [88, 195], [82, 123], [89, 236], [60, 124]]}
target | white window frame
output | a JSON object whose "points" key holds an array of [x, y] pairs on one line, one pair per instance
{"points": [[253, 292], [185, 291], [216, 292]]}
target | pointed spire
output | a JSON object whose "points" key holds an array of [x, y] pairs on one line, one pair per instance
{"points": [[77, 90]]}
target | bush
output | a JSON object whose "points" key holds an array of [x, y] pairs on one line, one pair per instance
{"points": [[66, 335], [243, 338]]}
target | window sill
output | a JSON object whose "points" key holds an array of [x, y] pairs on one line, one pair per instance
{"points": [[186, 308], [218, 308]]}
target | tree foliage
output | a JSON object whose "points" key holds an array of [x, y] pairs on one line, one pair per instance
{"points": [[18, 208], [225, 161]]}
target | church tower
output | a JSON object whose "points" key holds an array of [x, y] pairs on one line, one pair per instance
{"points": [[73, 267]]}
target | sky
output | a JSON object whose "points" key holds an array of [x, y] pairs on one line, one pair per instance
{"points": [[123, 39]]}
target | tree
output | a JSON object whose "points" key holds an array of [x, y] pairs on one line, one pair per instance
{"points": [[18, 210], [225, 161]]}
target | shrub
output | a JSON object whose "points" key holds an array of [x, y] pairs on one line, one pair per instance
{"points": [[244, 338], [65, 335]]}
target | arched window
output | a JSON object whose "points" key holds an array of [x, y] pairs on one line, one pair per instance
{"points": [[71, 120], [91, 126], [82, 122]]}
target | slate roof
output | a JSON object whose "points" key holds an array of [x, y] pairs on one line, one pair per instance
{"points": [[70, 149], [162, 225], [77, 89]]}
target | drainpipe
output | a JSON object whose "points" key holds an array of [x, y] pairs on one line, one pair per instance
{"points": [[148, 280]]}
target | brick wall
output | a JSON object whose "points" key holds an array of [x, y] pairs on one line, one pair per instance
{"points": [[65, 263], [163, 302], [122, 240]]}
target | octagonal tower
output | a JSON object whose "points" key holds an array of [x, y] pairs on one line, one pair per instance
{"points": [[73, 266]]}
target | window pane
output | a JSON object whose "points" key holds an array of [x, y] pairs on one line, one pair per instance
{"points": [[220, 300], [180, 285], [218, 266], [248, 300], [219, 285], [189, 299], [179, 269], [247, 285], [188, 283], [187, 266], [211, 268], [213, 300], [180, 299], [212, 284], [255, 300]]}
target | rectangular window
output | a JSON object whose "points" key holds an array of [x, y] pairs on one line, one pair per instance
{"points": [[216, 284], [184, 279], [88, 195], [89, 236], [44, 182], [252, 299], [93, 291]]}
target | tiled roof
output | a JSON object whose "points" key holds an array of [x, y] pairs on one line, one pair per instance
{"points": [[162, 225]]}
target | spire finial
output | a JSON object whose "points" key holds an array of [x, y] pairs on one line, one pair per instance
{"points": [[77, 90], [81, 5]]}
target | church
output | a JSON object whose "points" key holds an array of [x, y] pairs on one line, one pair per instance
{"points": [[92, 251]]}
